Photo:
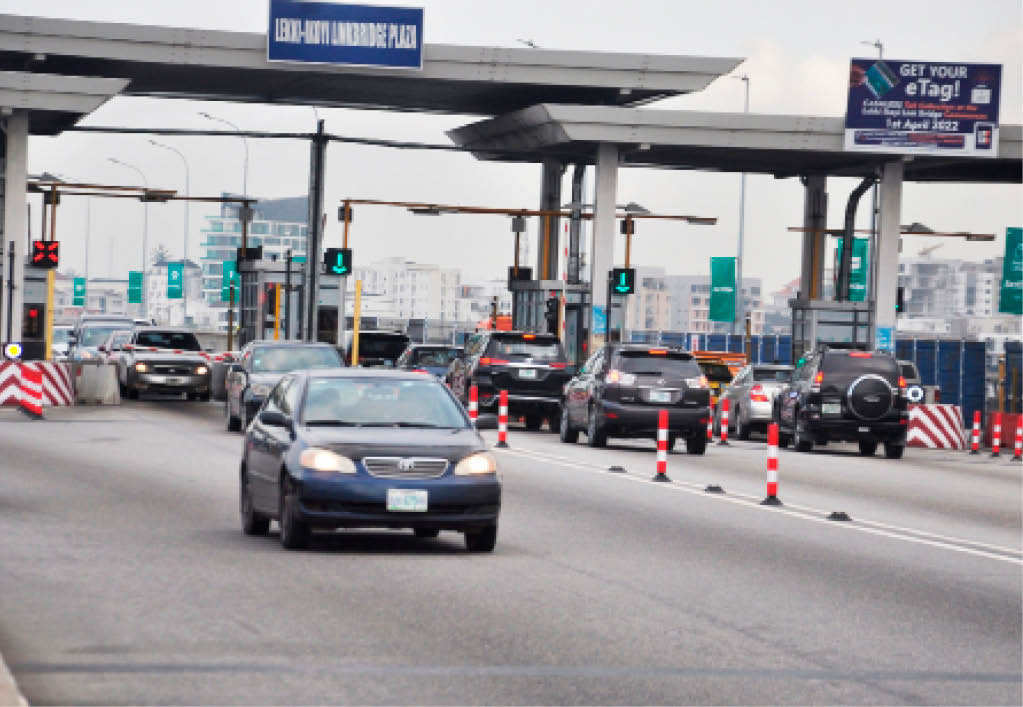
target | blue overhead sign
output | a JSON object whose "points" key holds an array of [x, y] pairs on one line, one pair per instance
{"points": [[332, 33], [922, 107]]}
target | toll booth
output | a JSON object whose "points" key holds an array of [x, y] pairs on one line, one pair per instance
{"points": [[260, 313], [826, 321], [33, 321], [531, 312]]}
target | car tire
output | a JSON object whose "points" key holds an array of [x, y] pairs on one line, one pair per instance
{"points": [[533, 423], [233, 423], [133, 394], [595, 436], [741, 430], [253, 523], [482, 540], [800, 443], [894, 451], [565, 431], [426, 532], [696, 443], [205, 397], [294, 533], [867, 448]]}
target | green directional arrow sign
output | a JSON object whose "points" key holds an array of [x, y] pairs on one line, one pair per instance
{"points": [[338, 260], [134, 287], [175, 280], [623, 281], [78, 294]]}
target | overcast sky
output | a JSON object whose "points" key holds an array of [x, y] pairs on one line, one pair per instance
{"points": [[797, 56]]}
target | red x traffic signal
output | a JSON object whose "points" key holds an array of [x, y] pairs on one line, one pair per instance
{"points": [[45, 254]]}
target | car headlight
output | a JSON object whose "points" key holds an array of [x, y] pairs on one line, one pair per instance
{"points": [[478, 463], [326, 460], [141, 367], [201, 370], [259, 389]]}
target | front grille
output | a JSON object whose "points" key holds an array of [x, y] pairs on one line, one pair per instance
{"points": [[173, 370], [391, 467]]}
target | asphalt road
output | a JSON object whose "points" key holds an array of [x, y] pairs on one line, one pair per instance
{"points": [[124, 578]]}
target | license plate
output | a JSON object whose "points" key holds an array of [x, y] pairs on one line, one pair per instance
{"points": [[406, 500], [864, 429], [527, 373], [157, 379], [172, 380], [831, 408], [660, 396]]}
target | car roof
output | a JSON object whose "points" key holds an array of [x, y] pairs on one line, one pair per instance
{"points": [[384, 373]]}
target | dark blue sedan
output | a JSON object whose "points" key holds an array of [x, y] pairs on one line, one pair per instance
{"points": [[367, 448]]}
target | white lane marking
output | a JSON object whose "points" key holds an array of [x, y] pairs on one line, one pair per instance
{"points": [[732, 498]]}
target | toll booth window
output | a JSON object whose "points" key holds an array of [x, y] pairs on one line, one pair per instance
{"points": [[169, 340]]}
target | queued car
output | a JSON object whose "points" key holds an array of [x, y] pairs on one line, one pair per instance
{"points": [[844, 395], [533, 368], [114, 346], [367, 448], [163, 360], [621, 389], [62, 342], [90, 334], [260, 364], [376, 348], [751, 398], [432, 358]]}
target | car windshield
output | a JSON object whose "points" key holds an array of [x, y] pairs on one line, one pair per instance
{"points": [[183, 340], [60, 336], [520, 347], [94, 336], [716, 372], [281, 359], [432, 357], [771, 375], [664, 365], [380, 402]]}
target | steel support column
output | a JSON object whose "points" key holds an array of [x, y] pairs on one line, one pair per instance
{"points": [[547, 240], [890, 203], [605, 195], [317, 161], [575, 224], [15, 219], [815, 223]]}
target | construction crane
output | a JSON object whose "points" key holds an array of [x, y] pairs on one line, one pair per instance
{"points": [[930, 249]]}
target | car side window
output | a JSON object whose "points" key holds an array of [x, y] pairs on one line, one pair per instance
{"points": [[275, 401], [291, 398]]}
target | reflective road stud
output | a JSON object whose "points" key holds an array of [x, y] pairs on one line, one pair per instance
{"points": [[502, 421], [31, 392], [662, 447], [975, 437], [996, 435], [724, 420], [1017, 446], [474, 396], [772, 467]]}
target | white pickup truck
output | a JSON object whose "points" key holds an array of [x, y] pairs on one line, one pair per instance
{"points": [[164, 360]]}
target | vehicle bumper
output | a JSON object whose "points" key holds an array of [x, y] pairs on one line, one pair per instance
{"points": [[759, 413], [641, 420], [159, 382], [453, 503], [848, 431], [521, 403]]}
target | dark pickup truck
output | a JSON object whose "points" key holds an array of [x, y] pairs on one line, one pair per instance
{"points": [[164, 360]]}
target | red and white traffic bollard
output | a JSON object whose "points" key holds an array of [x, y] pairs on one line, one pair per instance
{"points": [[710, 425], [31, 388], [502, 421], [975, 437], [474, 398], [662, 447], [996, 435], [724, 421], [1017, 447], [772, 467]]}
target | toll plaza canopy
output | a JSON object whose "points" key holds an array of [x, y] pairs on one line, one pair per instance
{"points": [[782, 145], [217, 65]]}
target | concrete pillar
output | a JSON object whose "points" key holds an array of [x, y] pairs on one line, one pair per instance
{"points": [[605, 195], [890, 203], [550, 200], [815, 218], [15, 217]]}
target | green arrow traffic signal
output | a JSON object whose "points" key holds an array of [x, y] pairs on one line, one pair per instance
{"points": [[338, 260], [623, 280]]}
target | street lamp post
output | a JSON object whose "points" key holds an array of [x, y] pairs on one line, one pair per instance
{"points": [[872, 257], [145, 231], [184, 257], [245, 141], [737, 324]]}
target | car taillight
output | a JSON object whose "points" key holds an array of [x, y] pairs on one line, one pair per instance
{"points": [[559, 366], [487, 361], [757, 395], [420, 370], [616, 377], [657, 352], [902, 385], [697, 382], [817, 380], [861, 354]]}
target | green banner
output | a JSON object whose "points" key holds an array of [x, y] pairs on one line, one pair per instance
{"points": [[78, 294], [134, 287], [858, 270], [1010, 298], [722, 289], [229, 274], [175, 280]]}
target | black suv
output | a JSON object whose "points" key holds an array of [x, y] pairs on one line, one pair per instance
{"points": [[842, 395], [533, 369], [621, 389]]}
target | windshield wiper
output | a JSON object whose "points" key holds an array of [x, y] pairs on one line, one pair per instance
{"points": [[330, 423]]}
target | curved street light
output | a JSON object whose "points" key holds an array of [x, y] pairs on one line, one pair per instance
{"points": [[245, 167], [145, 230]]}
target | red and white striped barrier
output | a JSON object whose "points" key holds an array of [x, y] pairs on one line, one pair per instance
{"points": [[474, 397], [10, 383], [724, 421], [996, 435], [31, 392], [772, 467], [936, 426], [56, 382], [975, 437], [1017, 446], [662, 447], [502, 421]]}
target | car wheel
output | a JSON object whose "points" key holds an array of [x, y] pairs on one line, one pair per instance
{"points": [[867, 448], [595, 436], [894, 451], [426, 532], [253, 523], [482, 540], [741, 430], [533, 422], [696, 443], [565, 431], [294, 533], [799, 441], [232, 422]]}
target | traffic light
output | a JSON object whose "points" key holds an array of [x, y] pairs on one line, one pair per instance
{"points": [[551, 315], [338, 261], [623, 281], [45, 254], [32, 322], [900, 301]]}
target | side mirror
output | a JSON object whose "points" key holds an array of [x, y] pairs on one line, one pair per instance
{"points": [[273, 418], [486, 421]]}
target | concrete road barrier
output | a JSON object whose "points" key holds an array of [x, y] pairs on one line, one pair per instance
{"points": [[96, 384], [218, 378]]}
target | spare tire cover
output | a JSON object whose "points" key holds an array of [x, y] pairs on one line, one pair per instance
{"points": [[870, 397]]}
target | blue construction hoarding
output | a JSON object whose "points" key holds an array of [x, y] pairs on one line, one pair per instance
{"points": [[334, 33], [922, 107]]}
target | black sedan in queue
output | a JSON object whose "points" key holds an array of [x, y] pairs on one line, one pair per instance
{"points": [[367, 448]]}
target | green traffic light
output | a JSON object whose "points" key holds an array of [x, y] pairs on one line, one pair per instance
{"points": [[340, 268]]}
